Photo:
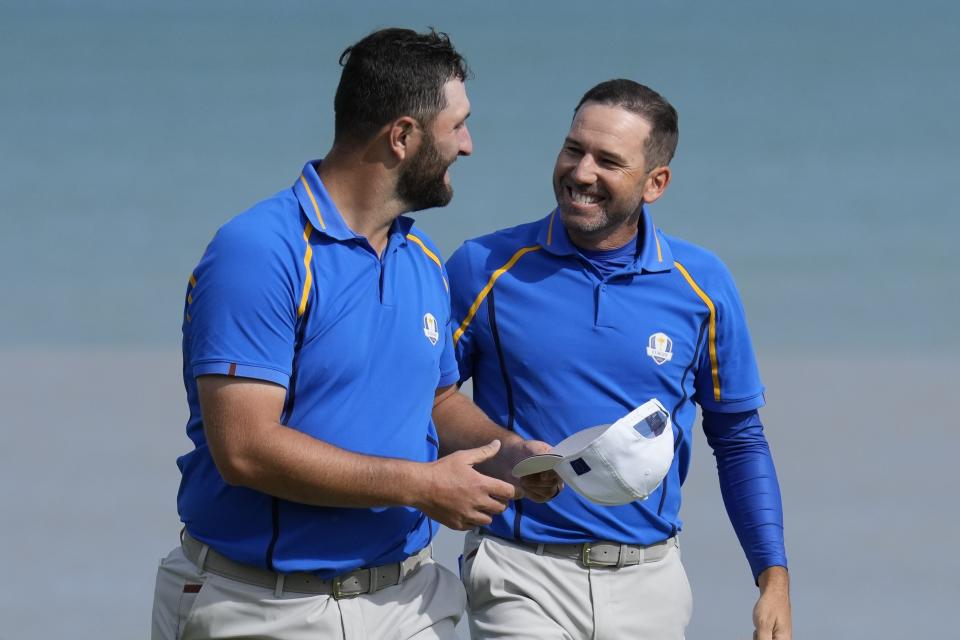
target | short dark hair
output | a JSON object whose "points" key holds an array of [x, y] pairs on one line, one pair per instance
{"points": [[392, 73], [648, 104]]}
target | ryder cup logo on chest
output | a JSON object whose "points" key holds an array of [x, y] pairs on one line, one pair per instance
{"points": [[430, 328], [660, 348]]}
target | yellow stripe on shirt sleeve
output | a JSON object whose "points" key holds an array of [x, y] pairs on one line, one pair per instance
{"points": [[307, 257], [431, 255], [486, 290], [711, 332]]}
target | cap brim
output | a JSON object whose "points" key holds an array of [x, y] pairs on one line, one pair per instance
{"points": [[536, 464]]}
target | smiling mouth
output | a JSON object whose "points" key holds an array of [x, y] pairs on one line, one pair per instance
{"points": [[583, 199]]}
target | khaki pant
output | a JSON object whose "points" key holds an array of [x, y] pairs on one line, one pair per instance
{"points": [[513, 592], [189, 605]]}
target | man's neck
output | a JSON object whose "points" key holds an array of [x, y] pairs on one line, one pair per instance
{"points": [[609, 241], [364, 194]]}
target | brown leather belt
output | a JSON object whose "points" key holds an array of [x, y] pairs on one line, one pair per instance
{"points": [[347, 585], [602, 553]]}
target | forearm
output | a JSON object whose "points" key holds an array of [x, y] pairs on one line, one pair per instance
{"points": [[775, 579], [251, 448], [283, 462], [748, 483], [463, 425], [771, 614]]}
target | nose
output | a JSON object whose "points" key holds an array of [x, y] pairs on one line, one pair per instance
{"points": [[584, 172], [466, 142]]}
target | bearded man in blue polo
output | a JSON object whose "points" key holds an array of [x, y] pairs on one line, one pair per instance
{"points": [[329, 437]]}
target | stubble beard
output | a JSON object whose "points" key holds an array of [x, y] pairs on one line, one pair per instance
{"points": [[602, 223]]}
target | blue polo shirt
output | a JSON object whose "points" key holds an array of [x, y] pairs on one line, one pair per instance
{"points": [[554, 346], [287, 293]]}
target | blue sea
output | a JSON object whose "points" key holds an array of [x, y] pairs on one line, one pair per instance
{"points": [[817, 157]]}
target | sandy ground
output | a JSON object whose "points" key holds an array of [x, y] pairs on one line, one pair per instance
{"points": [[865, 449]]}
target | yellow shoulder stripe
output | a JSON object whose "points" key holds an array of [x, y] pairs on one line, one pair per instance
{"points": [[307, 256], [486, 290], [431, 255], [711, 331], [313, 201]]}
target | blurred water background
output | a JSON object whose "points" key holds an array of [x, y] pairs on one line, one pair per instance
{"points": [[817, 157]]}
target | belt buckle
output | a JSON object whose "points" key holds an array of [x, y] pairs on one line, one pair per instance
{"points": [[585, 554], [336, 585]]}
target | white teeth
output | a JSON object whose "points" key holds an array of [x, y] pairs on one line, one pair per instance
{"points": [[583, 198]]}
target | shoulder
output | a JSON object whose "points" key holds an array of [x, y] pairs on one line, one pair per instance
{"points": [[702, 265], [487, 253], [427, 246], [263, 246], [426, 253], [272, 226]]}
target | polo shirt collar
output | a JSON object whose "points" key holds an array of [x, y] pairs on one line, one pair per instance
{"points": [[553, 237], [318, 206], [654, 256], [399, 229]]}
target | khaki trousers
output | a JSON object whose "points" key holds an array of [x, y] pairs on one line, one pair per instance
{"points": [[513, 592], [190, 605]]}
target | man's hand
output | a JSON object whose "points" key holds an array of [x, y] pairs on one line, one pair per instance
{"points": [[460, 497], [539, 487], [461, 425], [771, 615]]}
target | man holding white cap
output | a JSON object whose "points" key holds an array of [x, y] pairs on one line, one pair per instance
{"points": [[592, 329]]}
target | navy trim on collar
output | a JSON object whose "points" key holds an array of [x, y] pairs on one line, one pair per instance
{"points": [[654, 256]]}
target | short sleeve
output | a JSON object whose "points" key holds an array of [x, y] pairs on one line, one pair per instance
{"points": [[728, 379], [241, 314], [462, 296], [449, 371]]}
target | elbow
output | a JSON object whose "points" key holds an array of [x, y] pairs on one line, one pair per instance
{"points": [[237, 468], [234, 475]]}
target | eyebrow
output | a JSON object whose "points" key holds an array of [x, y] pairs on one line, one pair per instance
{"points": [[602, 153]]}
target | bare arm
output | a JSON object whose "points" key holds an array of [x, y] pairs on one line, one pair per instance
{"points": [[462, 425], [771, 615], [251, 448]]}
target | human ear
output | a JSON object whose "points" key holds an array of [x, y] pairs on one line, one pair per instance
{"points": [[656, 183], [403, 136]]}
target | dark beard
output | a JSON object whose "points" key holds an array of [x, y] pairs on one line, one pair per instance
{"points": [[421, 185]]}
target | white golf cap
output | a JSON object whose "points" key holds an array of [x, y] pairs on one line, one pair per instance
{"points": [[615, 463]]}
